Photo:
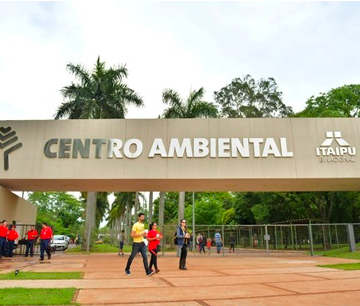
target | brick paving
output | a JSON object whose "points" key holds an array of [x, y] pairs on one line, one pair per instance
{"points": [[209, 280]]}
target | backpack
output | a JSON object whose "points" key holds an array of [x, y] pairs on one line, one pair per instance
{"points": [[175, 238]]}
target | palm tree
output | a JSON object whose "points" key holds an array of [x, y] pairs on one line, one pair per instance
{"points": [[192, 107], [116, 215], [99, 94]]}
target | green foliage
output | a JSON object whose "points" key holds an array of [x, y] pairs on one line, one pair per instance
{"points": [[208, 210], [42, 275], [100, 248], [261, 213], [224, 199], [343, 101], [193, 107], [35, 296], [98, 94], [247, 98], [170, 207], [228, 216], [61, 210]]}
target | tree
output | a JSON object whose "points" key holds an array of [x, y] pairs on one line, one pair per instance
{"points": [[99, 94], [343, 101], [61, 210], [192, 107], [247, 98], [208, 210]]}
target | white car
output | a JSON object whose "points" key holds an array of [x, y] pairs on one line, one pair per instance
{"points": [[60, 242]]}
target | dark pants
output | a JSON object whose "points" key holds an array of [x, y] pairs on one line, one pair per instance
{"points": [[10, 248], [232, 246], [153, 260], [136, 248], [2, 246], [45, 247], [30, 246], [183, 254]]}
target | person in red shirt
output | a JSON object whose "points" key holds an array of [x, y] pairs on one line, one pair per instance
{"points": [[12, 236], [45, 236], [32, 234], [154, 240], [3, 235]]}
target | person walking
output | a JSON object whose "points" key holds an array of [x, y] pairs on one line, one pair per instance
{"points": [[154, 243], [218, 241], [232, 243], [3, 235], [201, 243], [138, 233], [208, 244], [183, 237], [121, 246], [12, 236], [45, 236], [32, 234]]}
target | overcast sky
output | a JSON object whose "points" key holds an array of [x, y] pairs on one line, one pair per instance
{"points": [[308, 47]]}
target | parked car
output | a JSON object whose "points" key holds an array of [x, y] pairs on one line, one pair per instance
{"points": [[60, 242]]}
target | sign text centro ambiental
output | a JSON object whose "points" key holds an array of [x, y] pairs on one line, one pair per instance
{"points": [[186, 147]]}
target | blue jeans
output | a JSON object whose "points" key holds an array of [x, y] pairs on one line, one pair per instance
{"points": [[10, 248], [30, 246], [45, 247], [136, 248], [218, 246], [2, 246]]}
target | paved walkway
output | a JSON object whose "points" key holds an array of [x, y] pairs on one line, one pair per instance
{"points": [[215, 281]]}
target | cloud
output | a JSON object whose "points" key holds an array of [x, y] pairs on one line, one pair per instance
{"points": [[307, 47]]}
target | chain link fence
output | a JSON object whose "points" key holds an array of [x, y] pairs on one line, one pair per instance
{"points": [[283, 239]]}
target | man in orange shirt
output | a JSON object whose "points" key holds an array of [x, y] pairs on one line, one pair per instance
{"points": [[31, 238], [12, 236], [3, 234], [45, 236]]}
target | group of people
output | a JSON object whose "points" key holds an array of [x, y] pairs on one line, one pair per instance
{"points": [[138, 234], [9, 236], [153, 236], [7, 239], [200, 240]]}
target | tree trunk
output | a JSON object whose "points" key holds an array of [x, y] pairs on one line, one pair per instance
{"points": [[181, 206], [116, 231], [150, 206], [161, 210], [89, 220], [136, 206]]}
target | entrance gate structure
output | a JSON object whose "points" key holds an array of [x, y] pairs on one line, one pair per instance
{"points": [[264, 154]]}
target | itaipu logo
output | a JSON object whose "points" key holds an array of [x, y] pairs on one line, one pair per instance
{"points": [[7, 140], [335, 149]]}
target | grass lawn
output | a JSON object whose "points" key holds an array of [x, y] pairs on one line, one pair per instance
{"points": [[341, 253], [42, 275], [100, 248], [31, 296], [346, 266]]}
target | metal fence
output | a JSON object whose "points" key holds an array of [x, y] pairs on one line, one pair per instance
{"points": [[284, 239], [20, 245]]}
